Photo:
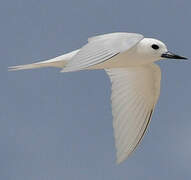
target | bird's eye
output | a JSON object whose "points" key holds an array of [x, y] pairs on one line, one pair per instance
{"points": [[154, 46]]}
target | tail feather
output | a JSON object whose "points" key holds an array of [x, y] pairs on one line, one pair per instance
{"points": [[38, 65], [58, 62]]}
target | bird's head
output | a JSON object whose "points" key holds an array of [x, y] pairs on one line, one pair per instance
{"points": [[155, 50]]}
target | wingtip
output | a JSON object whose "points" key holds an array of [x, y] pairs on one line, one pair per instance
{"points": [[121, 159]]}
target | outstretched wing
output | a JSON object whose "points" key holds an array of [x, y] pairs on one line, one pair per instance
{"points": [[135, 91], [102, 48]]}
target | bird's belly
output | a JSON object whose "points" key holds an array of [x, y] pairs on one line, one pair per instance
{"points": [[122, 60]]}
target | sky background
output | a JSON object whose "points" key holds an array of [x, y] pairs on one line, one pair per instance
{"points": [[57, 126]]}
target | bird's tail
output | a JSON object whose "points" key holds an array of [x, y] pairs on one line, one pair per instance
{"points": [[58, 62]]}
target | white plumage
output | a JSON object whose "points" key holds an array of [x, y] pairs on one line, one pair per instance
{"points": [[135, 91], [128, 59]]}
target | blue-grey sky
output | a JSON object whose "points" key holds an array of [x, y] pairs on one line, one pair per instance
{"points": [[59, 126]]}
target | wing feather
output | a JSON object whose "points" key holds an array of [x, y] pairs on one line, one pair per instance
{"points": [[135, 91], [102, 48]]}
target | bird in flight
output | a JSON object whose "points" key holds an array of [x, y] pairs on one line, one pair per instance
{"points": [[128, 59]]}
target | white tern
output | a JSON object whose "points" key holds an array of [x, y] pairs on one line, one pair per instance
{"points": [[128, 59]]}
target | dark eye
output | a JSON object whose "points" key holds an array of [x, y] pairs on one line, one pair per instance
{"points": [[154, 46]]}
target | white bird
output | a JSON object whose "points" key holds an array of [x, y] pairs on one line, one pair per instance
{"points": [[128, 59]]}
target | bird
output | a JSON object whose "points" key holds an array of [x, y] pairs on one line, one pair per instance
{"points": [[129, 61]]}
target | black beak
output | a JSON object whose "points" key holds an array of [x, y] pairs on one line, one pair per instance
{"points": [[170, 55]]}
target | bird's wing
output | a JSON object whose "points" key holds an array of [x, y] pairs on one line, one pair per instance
{"points": [[101, 48], [135, 91]]}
